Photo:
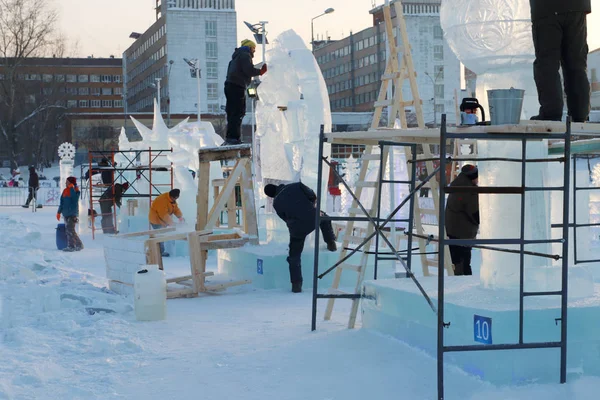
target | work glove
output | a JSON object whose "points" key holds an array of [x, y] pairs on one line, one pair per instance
{"points": [[58, 216], [182, 220], [263, 69]]}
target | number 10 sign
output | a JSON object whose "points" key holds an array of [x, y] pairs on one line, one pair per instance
{"points": [[482, 329]]}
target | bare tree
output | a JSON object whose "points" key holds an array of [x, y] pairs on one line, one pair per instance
{"points": [[27, 29]]}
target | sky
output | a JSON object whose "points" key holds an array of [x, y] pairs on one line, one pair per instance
{"points": [[102, 28]]}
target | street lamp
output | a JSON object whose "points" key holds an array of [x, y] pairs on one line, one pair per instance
{"points": [[195, 73], [157, 86], [433, 82], [171, 62], [260, 35], [312, 27]]}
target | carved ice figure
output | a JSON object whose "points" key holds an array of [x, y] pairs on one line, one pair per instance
{"points": [[185, 139], [293, 104]]}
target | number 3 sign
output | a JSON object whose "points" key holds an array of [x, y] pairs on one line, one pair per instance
{"points": [[482, 329]]}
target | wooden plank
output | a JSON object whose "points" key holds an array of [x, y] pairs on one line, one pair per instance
{"points": [[197, 262], [224, 195], [223, 286], [231, 209], [208, 154], [249, 205], [147, 233], [225, 244], [202, 197], [162, 239], [187, 277], [174, 294]]}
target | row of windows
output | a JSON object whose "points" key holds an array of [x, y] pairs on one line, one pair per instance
{"points": [[347, 67], [358, 81], [421, 9], [147, 63], [143, 84], [198, 4], [147, 44], [95, 91], [362, 98], [94, 103], [371, 41], [71, 78]]}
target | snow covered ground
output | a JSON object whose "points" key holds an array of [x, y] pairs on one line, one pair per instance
{"points": [[63, 335]]}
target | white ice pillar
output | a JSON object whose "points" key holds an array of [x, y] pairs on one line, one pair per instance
{"points": [[501, 214]]}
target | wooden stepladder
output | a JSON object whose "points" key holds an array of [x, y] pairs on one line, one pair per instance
{"points": [[396, 72], [240, 175]]}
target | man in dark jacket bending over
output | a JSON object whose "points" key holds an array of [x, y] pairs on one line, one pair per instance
{"points": [[296, 205], [239, 74], [560, 39], [462, 219]]}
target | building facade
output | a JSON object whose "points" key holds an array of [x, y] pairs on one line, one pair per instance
{"points": [[192, 29], [91, 85], [49, 92], [352, 67]]}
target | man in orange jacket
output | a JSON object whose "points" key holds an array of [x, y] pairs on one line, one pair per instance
{"points": [[161, 210]]}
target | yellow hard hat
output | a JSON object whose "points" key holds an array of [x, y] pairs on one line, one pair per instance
{"points": [[248, 43]]}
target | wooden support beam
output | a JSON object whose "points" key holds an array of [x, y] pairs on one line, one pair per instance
{"points": [[208, 154]]}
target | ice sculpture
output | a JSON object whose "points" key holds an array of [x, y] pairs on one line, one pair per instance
{"points": [[293, 104], [185, 139], [493, 39]]}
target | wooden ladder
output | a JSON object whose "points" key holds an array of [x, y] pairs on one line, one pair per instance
{"points": [[396, 72], [456, 154], [241, 175]]}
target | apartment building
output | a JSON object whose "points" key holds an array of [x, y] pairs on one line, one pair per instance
{"points": [[192, 29], [352, 67]]}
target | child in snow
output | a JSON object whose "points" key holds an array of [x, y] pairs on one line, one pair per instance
{"points": [[69, 208]]}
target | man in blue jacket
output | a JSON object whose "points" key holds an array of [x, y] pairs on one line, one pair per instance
{"points": [[560, 39], [69, 208], [239, 75], [296, 204]]}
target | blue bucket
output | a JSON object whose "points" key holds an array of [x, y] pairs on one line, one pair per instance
{"points": [[61, 236]]}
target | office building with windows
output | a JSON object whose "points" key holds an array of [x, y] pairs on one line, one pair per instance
{"points": [[352, 67], [192, 29], [82, 85]]}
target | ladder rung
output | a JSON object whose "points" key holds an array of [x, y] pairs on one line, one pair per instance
{"points": [[407, 103], [337, 291], [354, 239], [387, 77], [356, 268], [371, 157], [358, 211], [383, 103], [427, 211], [366, 184]]}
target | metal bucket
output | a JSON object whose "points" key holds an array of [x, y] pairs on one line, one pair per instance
{"points": [[505, 105]]}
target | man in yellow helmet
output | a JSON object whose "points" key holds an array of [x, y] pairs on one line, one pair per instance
{"points": [[239, 74]]}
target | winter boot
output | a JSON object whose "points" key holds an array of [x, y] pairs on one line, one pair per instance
{"points": [[332, 246], [231, 142], [296, 287]]}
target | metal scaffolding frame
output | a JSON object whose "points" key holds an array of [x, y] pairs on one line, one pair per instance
{"points": [[523, 137], [378, 222], [523, 133], [131, 158]]}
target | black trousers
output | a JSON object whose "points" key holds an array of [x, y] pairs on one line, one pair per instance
{"points": [[106, 208], [461, 258], [297, 245], [235, 109], [561, 40], [32, 195]]}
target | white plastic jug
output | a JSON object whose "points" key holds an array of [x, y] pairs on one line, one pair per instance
{"points": [[150, 294]]}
